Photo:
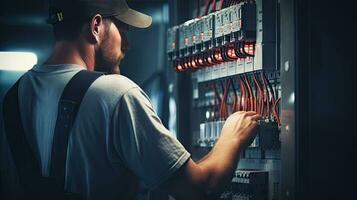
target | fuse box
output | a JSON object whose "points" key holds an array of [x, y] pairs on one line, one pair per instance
{"points": [[232, 57]]}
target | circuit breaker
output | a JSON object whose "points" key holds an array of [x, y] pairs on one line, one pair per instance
{"points": [[232, 57]]}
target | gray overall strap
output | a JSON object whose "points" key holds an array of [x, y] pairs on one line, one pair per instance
{"points": [[67, 111], [25, 161], [33, 184]]}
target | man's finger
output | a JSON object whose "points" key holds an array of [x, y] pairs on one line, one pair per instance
{"points": [[256, 117], [251, 113]]}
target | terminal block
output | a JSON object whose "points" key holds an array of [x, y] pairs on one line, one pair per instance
{"points": [[247, 185], [172, 46], [268, 135]]}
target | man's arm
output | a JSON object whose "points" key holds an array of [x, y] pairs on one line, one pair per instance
{"points": [[207, 178]]}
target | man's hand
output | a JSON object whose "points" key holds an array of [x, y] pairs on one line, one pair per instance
{"points": [[206, 178], [242, 127]]}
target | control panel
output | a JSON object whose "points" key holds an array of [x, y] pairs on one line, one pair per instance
{"points": [[231, 53]]}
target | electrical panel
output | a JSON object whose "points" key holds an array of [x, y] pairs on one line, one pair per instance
{"points": [[247, 185], [232, 56]]}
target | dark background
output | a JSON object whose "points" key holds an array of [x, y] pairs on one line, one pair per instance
{"points": [[325, 74]]}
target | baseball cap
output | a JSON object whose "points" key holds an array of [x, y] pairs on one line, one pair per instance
{"points": [[67, 10]]}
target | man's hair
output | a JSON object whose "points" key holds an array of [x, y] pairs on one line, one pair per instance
{"points": [[70, 30]]}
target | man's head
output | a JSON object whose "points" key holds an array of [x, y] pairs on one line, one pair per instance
{"points": [[99, 23]]}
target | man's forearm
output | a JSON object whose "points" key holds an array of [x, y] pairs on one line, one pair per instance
{"points": [[219, 165], [208, 177]]}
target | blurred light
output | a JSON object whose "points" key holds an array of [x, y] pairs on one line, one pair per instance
{"points": [[186, 41], [229, 52], [193, 64], [17, 61], [189, 64], [207, 114], [292, 98]]}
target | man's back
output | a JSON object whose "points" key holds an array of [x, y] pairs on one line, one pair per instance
{"points": [[104, 143]]}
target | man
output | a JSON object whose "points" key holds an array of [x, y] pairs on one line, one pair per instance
{"points": [[117, 138]]}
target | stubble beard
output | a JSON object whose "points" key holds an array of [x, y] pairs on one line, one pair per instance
{"points": [[106, 60]]}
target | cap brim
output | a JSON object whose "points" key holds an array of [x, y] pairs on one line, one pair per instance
{"points": [[135, 18]]}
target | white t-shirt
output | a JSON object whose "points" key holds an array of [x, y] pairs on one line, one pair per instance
{"points": [[116, 137]]}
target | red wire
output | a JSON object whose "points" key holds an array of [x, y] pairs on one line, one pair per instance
{"points": [[223, 106], [242, 94], [260, 94], [221, 4], [234, 97], [266, 94], [244, 99], [213, 6], [262, 102], [276, 112], [253, 99], [274, 103], [251, 106], [206, 7]]}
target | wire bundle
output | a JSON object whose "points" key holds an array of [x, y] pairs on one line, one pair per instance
{"points": [[255, 93]]}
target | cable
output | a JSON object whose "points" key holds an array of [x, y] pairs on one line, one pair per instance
{"points": [[221, 4], [255, 93], [262, 97], [260, 94], [260, 105], [241, 95], [266, 94], [244, 96], [276, 112], [251, 107], [213, 6], [234, 96], [206, 7], [223, 106], [274, 108]]}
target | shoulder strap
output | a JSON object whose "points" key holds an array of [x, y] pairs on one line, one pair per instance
{"points": [[24, 158], [67, 111], [25, 161]]}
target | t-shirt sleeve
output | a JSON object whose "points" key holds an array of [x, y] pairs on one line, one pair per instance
{"points": [[145, 146]]}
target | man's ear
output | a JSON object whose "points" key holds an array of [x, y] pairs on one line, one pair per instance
{"points": [[96, 28]]}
